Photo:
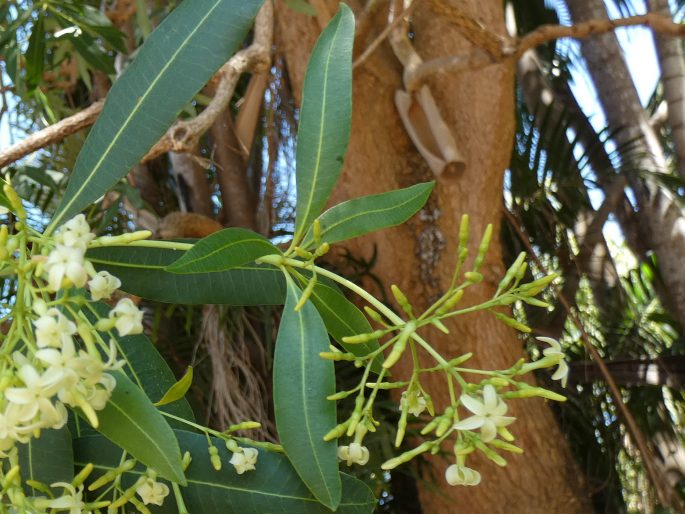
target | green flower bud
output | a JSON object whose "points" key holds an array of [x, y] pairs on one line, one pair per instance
{"points": [[512, 323], [473, 277]]}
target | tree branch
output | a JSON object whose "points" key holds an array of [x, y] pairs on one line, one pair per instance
{"points": [[183, 135], [492, 48], [657, 22], [52, 134]]}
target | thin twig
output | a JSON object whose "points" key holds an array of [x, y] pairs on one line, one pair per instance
{"points": [[383, 35], [513, 48], [657, 22], [633, 429]]}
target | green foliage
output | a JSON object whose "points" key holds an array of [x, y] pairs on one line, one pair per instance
{"points": [[143, 273], [273, 487], [175, 62], [342, 318], [302, 381], [360, 216], [224, 250], [47, 459], [132, 422], [325, 118]]}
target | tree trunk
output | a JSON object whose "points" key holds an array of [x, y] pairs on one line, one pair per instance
{"points": [[672, 64], [659, 217], [419, 256]]}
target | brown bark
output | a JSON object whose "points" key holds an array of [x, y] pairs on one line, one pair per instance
{"points": [[479, 108]]}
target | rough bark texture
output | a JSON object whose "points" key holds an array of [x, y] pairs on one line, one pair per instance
{"points": [[659, 218], [672, 64], [479, 108]]}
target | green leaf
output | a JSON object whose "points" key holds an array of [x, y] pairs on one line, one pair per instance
{"points": [[95, 56], [178, 58], [223, 250], [273, 487], [342, 318], [47, 459], [146, 367], [131, 422], [369, 213], [142, 272], [35, 53], [302, 380], [178, 390], [325, 119]]}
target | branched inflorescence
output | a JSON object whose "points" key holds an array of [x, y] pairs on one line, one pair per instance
{"points": [[476, 417]]}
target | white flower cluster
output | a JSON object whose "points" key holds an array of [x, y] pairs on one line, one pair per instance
{"points": [[67, 265], [60, 370], [59, 375]]}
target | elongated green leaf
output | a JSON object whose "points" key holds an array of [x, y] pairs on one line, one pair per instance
{"points": [[92, 53], [273, 487], [342, 318], [223, 250], [35, 53], [302, 380], [174, 63], [178, 390], [135, 425], [325, 118], [47, 459], [369, 213], [142, 272]]}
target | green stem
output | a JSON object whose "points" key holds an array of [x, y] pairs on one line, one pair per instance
{"points": [[278, 260]]}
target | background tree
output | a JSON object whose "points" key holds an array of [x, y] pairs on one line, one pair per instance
{"points": [[435, 97]]}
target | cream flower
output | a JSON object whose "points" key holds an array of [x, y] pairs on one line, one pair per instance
{"points": [[35, 397], [66, 267], [416, 402], [461, 475], [244, 460], [53, 329], [128, 318], [72, 502], [355, 453], [556, 355], [153, 492], [103, 285], [75, 233], [489, 414]]}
